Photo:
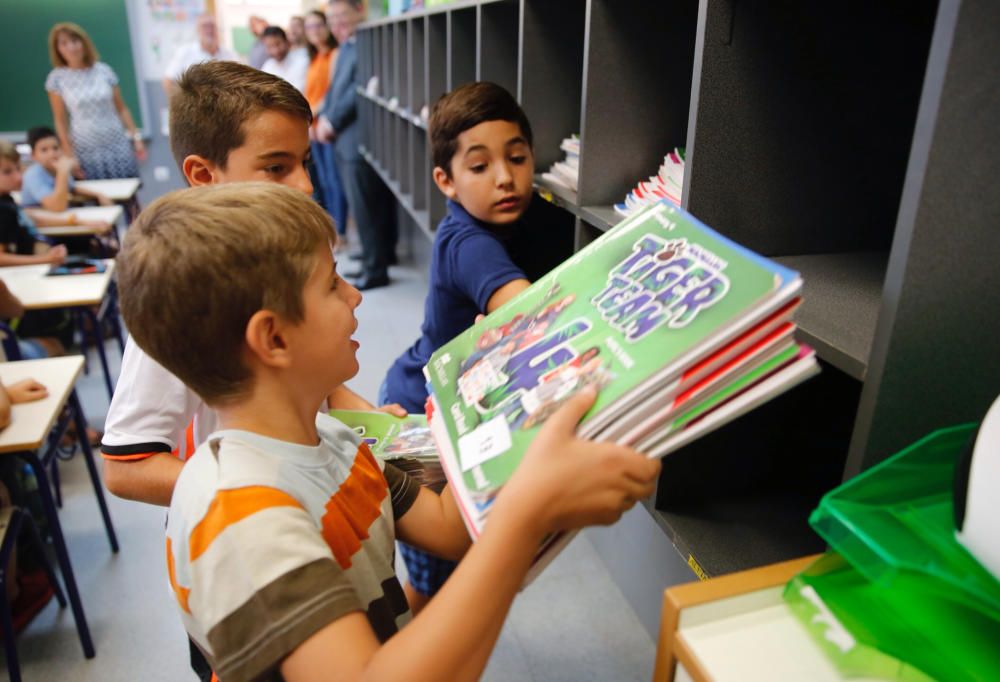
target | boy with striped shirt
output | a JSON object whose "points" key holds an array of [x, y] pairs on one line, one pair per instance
{"points": [[281, 528]]}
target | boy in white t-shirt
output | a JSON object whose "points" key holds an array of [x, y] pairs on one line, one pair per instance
{"points": [[228, 123]]}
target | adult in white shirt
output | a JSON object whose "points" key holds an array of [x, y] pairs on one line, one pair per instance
{"points": [[205, 49], [283, 60]]}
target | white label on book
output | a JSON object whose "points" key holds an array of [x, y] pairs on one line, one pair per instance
{"points": [[484, 443]]}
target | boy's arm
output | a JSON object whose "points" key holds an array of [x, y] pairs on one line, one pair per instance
{"points": [[58, 199], [434, 525], [505, 293], [344, 398], [96, 196], [150, 407], [562, 483], [150, 479], [55, 255]]}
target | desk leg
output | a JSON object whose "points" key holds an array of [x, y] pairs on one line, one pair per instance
{"points": [[62, 554], [88, 456], [95, 330], [113, 316]]}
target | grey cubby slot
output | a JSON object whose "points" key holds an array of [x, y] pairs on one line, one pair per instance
{"points": [[462, 47], [416, 67], [498, 30], [389, 89], [800, 144], [436, 57], [935, 359], [551, 83], [421, 168], [800, 137], [403, 155], [637, 92], [400, 52]]}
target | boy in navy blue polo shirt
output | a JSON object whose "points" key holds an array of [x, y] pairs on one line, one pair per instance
{"points": [[481, 145]]}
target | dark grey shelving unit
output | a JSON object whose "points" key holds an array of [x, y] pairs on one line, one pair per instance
{"points": [[868, 164]]}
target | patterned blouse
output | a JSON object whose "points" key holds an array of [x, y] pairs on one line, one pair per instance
{"points": [[98, 136]]}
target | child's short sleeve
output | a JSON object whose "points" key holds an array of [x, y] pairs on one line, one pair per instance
{"points": [[258, 586], [480, 265], [402, 488]]}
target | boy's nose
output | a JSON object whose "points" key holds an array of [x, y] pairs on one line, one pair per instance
{"points": [[504, 176], [301, 181]]}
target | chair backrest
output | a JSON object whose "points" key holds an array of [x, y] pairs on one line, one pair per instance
{"points": [[11, 350]]}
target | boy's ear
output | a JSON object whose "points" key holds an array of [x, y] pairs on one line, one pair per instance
{"points": [[266, 339], [199, 171], [444, 183]]}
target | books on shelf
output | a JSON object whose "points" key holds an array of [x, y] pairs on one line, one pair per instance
{"points": [[565, 173], [666, 184], [406, 442], [680, 328]]}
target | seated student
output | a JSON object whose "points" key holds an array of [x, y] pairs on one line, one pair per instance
{"points": [[49, 182], [228, 123], [483, 163], [281, 528], [28, 348]]}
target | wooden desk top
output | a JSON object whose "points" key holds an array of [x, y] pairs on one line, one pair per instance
{"points": [[122, 189], [31, 422], [36, 291], [109, 214]]}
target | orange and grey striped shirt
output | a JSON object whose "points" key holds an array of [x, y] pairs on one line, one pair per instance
{"points": [[269, 541]]}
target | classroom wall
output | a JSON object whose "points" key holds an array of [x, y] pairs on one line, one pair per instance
{"points": [[24, 57]]}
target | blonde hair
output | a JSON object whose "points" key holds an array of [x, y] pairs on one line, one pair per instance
{"points": [[199, 263], [8, 152], [90, 54]]}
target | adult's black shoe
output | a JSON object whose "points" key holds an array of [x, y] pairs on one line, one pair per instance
{"points": [[355, 255], [366, 283]]}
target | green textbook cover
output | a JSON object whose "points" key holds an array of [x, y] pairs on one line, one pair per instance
{"points": [[628, 314], [390, 437]]}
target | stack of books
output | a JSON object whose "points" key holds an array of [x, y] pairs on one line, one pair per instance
{"points": [[566, 173], [681, 329], [666, 184], [406, 442]]}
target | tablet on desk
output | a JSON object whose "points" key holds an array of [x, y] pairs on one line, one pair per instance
{"points": [[77, 266]]}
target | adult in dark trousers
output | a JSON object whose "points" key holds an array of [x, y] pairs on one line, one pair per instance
{"points": [[368, 198]]}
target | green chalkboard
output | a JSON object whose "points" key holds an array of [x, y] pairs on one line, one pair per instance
{"points": [[24, 54]]}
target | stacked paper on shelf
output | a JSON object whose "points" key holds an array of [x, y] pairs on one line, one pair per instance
{"points": [[666, 184], [681, 329], [565, 173]]}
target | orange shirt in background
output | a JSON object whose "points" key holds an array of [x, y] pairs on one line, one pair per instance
{"points": [[318, 78]]}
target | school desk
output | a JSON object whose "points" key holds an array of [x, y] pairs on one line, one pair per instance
{"points": [[33, 435], [79, 293]]}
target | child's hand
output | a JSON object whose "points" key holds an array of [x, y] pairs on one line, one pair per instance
{"points": [[395, 409], [26, 391], [66, 164], [569, 483], [56, 255], [104, 201]]}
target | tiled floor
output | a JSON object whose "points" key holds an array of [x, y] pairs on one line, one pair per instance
{"points": [[572, 624]]}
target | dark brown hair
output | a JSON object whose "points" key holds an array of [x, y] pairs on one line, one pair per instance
{"points": [[213, 102], [466, 107], [198, 263]]}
